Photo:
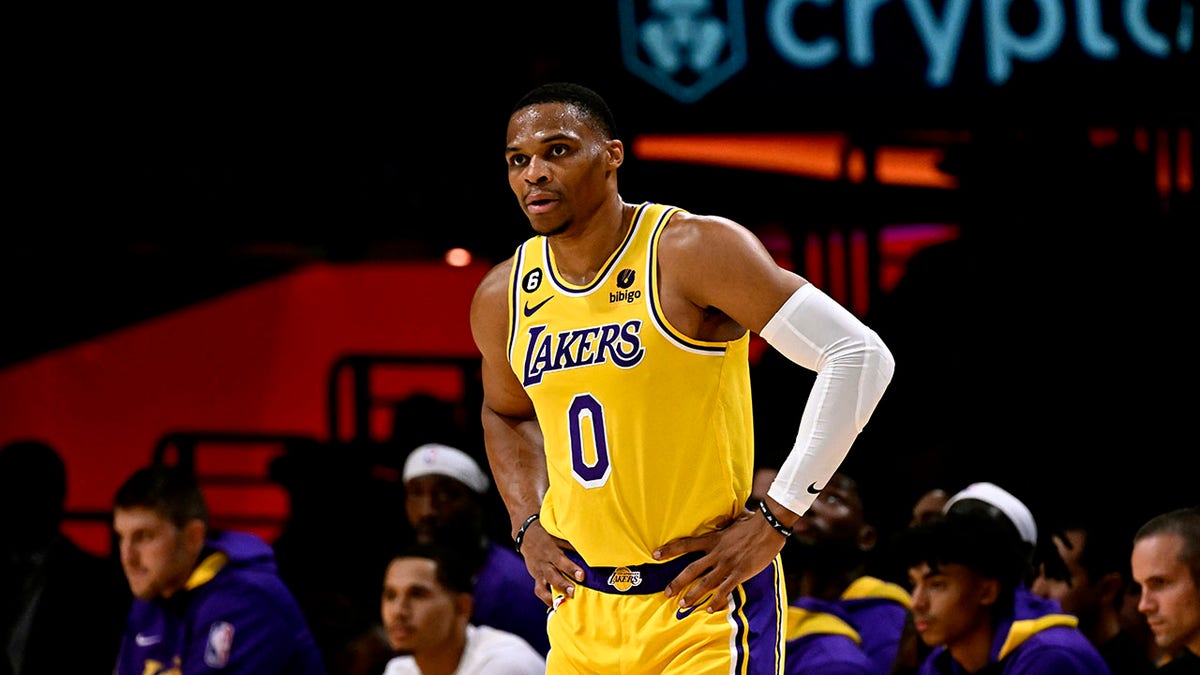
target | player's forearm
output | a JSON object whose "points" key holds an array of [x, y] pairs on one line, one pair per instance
{"points": [[853, 368], [518, 462]]}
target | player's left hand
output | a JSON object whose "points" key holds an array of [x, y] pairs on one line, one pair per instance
{"points": [[733, 554]]}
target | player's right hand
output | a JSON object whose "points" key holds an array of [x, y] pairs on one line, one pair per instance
{"points": [[549, 565]]}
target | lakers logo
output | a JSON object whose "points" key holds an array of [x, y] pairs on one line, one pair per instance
{"points": [[623, 579]]}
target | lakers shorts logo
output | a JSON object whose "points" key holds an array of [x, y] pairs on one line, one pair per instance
{"points": [[623, 579]]}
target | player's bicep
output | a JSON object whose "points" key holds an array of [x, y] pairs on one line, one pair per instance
{"points": [[502, 392], [718, 263]]}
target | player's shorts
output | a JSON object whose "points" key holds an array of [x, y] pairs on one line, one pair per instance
{"points": [[619, 622]]}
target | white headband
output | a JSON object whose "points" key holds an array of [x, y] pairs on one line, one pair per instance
{"points": [[443, 460], [1000, 498]]}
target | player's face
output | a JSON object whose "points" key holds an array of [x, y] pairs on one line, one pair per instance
{"points": [[155, 553], [559, 167], [1170, 598], [950, 603], [418, 612]]}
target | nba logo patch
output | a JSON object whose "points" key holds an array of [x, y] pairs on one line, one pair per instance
{"points": [[220, 644]]}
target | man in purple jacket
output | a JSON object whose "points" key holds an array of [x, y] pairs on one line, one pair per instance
{"points": [[970, 606], [827, 559], [204, 601]]}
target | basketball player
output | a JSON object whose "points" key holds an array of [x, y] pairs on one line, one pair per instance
{"points": [[617, 411]]}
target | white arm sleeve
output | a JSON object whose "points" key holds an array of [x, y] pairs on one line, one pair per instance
{"points": [[853, 368]]}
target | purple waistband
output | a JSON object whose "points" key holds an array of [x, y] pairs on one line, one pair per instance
{"points": [[633, 579]]}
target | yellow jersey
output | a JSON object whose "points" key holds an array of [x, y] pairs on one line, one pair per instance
{"points": [[648, 433]]}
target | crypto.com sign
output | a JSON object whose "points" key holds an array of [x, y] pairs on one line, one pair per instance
{"points": [[687, 48]]}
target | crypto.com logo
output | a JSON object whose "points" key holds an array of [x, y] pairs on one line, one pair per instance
{"points": [[684, 47]]}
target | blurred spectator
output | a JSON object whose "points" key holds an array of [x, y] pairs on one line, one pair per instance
{"points": [[444, 499], [1002, 506], [330, 556], [827, 559], [928, 506], [426, 607], [1096, 556], [970, 605], [204, 601], [51, 587], [1166, 563]]}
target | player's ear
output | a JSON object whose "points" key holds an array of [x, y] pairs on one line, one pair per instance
{"points": [[616, 154]]}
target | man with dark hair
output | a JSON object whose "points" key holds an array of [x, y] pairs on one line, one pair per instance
{"points": [[444, 497], [1096, 558], [1166, 563], [970, 604], [204, 601], [826, 563], [49, 586], [617, 416], [428, 592]]}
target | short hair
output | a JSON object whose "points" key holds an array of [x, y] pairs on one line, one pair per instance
{"points": [[171, 491], [1106, 545], [970, 538], [593, 106], [1184, 523], [454, 570]]}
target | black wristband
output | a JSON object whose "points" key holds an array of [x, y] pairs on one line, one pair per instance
{"points": [[762, 506], [521, 532]]}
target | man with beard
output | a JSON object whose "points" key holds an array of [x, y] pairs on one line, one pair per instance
{"points": [[826, 564], [444, 489]]}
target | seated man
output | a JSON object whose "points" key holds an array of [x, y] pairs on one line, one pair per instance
{"points": [[825, 563], [44, 574], [444, 491], [204, 601], [1096, 556], [971, 607], [426, 608], [1165, 562]]}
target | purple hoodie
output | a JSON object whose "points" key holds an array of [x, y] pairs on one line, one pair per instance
{"points": [[1037, 639], [820, 639], [234, 617]]}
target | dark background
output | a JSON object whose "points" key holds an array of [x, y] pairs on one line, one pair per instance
{"points": [[161, 158]]}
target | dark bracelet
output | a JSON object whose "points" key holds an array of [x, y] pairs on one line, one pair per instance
{"points": [[521, 532], [785, 531]]}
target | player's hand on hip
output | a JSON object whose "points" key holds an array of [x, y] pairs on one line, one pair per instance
{"points": [[548, 565], [733, 554]]}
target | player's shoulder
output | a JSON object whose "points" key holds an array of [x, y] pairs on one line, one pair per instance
{"points": [[494, 284], [703, 234]]}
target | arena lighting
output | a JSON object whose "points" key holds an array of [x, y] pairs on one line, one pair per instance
{"points": [[824, 156], [458, 257]]}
